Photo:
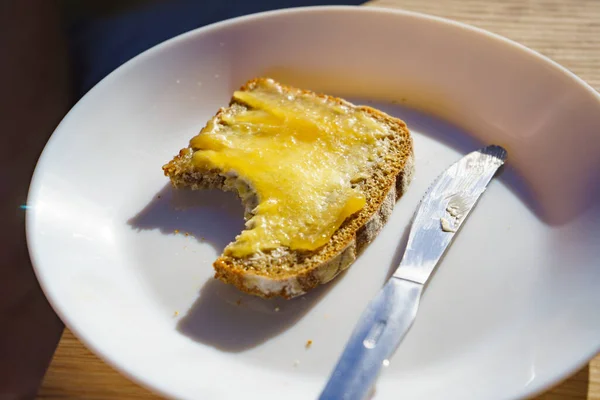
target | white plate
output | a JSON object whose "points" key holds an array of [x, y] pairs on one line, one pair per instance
{"points": [[512, 308]]}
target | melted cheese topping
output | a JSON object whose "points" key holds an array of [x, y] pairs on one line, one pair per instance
{"points": [[301, 155]]}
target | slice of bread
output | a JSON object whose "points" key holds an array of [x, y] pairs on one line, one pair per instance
{"points": [[287, 272]]}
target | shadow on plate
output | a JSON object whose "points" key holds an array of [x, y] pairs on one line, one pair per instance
{"points": [[222, 316], [232, 321], [211, 216], [395, 261]]}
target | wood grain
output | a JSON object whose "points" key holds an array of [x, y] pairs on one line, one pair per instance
{"points": [[568, 31], [75, 373]]}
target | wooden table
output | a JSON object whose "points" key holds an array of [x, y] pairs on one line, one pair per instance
{"points": [[567, 31]]}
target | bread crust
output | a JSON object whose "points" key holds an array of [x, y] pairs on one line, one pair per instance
{"points": [[387, 183]]}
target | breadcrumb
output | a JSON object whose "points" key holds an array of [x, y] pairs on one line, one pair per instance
{"points": [[308, 344], [176, 231], [276, 309], [176, 314]]}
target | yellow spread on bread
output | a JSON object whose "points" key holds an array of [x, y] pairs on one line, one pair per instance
{"points": [[301, 155]]}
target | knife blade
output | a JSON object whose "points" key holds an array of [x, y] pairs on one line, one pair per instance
{"points": [[389, 316]]}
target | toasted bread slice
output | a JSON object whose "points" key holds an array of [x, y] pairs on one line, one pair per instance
{"points": [[288, 272]]}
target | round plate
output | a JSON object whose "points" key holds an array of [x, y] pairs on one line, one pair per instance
{"points": [[512, 308]]}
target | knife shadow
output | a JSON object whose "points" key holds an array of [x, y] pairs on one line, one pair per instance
{"points": [[400, 249]]}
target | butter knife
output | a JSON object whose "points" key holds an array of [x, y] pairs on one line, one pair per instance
{"points": [[390, 314]]}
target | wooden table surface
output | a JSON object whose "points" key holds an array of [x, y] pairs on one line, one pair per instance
{"points": [[567, 31]]}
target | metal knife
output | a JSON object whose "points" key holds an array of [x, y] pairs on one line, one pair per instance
{"points": [[390, 314]]}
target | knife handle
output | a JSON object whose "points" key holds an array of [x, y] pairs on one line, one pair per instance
{"points": [[378, 333]]}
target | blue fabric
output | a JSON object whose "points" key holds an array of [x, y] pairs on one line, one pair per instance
{"points": [[99, 46]]}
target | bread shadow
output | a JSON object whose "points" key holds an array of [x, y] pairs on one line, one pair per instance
{"points": [[222, 316], [211, 216], [232, 321]]}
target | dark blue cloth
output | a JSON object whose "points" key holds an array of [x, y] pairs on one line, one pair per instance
{"points": [[98, 46]]}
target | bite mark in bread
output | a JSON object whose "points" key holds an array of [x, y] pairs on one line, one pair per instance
{"points": [[289, 273]]}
